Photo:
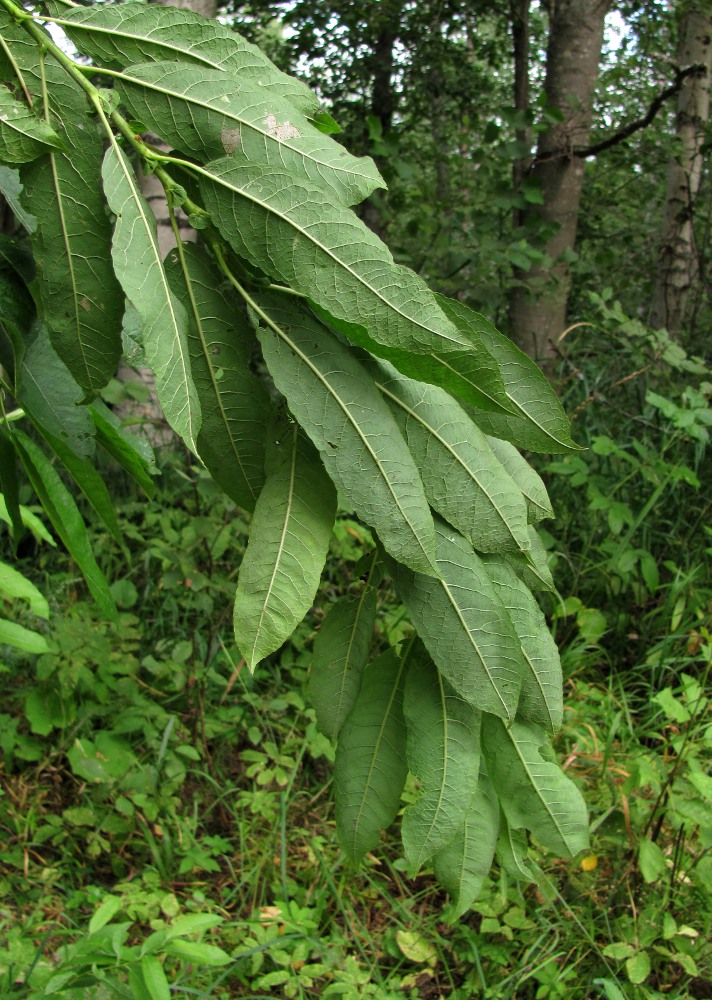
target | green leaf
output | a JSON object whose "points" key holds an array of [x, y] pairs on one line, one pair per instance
{"points": [[197, 952], [535, 794], [464, 863], [463, 480], [528, 481], [512, 851], [532, 566], [340, 655], [133, 454], [540, 424], [651, 861], [284, 225], [62, 511], [106, 911], [638, 967], [235, 407], [540, 699], [11, 189], [443, 751], [121, 35], [23, 136], [12, 634], [208, 113], [29, 520], [370, 767], [10, 487], [49, 394], [139, 268], [155, 978], [79, 297], [286, 552], [14, 585], [334, 399], [465, 626]]}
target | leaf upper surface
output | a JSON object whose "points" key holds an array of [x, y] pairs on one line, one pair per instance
{"points": [[465, 626], [370, 767], [124, 34], [286, 227], [234, 405], [464, 863], [139, 268], [444, 756], [287, 547], [207, 114], [534, 792], [334, 399], [463, 480]]}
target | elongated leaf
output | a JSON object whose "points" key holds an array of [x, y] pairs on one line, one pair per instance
{"points": [[463, 480], [465, 626], [532, 566], [122, 35], [139, 268], [540, 699], [23, 136], [29, 521], [289, 540], [534, 792], [19, 637], [235, 406], [540, 424], [207, 113], [339, 657], [11, 189], [80, 300], [286, 227], [51, 396], [62, 511], [529, 482], [512, 851], [155, 978], [334, 399], [133, 454], [370, 767], [10, 487], [14, 585], [444, 756], [463, 865]]}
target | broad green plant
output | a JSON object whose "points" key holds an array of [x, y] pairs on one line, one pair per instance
{"points": [[405, 405]]}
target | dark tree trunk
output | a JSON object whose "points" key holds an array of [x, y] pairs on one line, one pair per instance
{"points": [[519, 15], [678, 263], [383, 106], [573, 52]]}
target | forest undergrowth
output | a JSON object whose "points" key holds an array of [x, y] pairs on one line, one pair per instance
{"points": [[162, 810]]}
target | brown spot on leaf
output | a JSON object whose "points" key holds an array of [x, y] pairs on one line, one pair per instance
{"points": [[230, 138], [280, 132]]}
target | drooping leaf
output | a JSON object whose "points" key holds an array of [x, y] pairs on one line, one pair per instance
{"points": [[463, 480], [14, 585], [133, 454], [80, 300], [339, 657], [464, 863], [10, 486], [235, 406], [62, 511], [11, 189], [370, 767], [208, 113], [119, 36], [139, 268], [288, 543], [534, 792], [540, 424], [443, 751], [50, 395], [532, 566], [23, 136], [29, 520], [334, 399], [540, 699], [465, 626], [286, 227], [19, 637], [512, 851], [528, 481]]}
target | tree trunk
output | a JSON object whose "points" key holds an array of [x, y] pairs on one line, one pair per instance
{"points": [[678, 263], [519, 17], [148, 414], [538, 307], [383, 105]]}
